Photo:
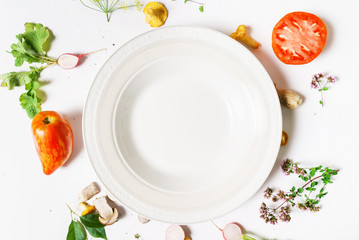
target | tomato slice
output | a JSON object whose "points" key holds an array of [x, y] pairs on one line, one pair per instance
{"points": [[298, 38]]}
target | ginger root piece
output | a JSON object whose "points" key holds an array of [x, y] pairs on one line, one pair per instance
{"points": [[155, 13], [241, 35], [90, 191], [143, 220], [285, 138]]}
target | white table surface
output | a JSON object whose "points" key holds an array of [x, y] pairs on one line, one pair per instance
{"points": [[33, 204]]}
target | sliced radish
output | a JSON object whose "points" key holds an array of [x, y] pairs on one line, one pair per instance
{"points": [[232, 232], [70, 60], [175, 232]]}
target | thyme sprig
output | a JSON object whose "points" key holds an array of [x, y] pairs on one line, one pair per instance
{"points": [[306, 197], [109, 6]]}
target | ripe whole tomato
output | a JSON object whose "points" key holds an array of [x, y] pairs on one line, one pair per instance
{"points": [[53, 138]]}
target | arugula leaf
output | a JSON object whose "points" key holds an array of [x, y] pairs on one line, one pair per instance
{"points": [[36, 35], [76, 232], [16, 79], [91, 220]]}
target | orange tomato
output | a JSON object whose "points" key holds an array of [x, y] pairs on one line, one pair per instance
{"points": [[53, 139]]}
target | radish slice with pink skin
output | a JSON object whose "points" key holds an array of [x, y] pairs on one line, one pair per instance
{"points": [[231, 231], [175, 232], [70, 60]]}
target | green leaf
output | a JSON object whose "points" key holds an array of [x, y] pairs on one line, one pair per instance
{"points": [[31, 103], [21, 53], [185, 1], [325, 89], [16, 79], [312, 172], [201, 8], [93, 225], [36, 35], [246, 237], [321, 102], [91, 221], [75, 232], [300, 190], [97, 232], [305, 178], [313, 184]]}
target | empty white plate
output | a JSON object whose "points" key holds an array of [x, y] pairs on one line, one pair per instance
{"points": [[182, 124]]}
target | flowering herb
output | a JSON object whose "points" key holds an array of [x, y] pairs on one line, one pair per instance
{"points": [[317, 83], [109, 6], [199, 3], [306, 197]]}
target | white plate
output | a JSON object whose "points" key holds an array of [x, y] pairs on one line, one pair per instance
{"points": [[182, 124]]}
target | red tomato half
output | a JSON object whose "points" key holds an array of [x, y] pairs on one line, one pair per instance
{"points": [[53, 139], [298, 38]]}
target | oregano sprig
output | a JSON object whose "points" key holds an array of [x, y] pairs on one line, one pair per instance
{"points": [[305, 197], [317, 83]]}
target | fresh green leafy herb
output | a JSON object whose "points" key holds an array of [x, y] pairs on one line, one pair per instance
{"points": [[137, 236], [306, 197], [76, 231], [109, 6]]}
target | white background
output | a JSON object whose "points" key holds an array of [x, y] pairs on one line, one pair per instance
{"points": [[33, 204]]}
